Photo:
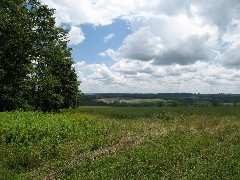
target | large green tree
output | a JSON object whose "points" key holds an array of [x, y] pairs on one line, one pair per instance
{"points": [[15, 47], [35, 63]]}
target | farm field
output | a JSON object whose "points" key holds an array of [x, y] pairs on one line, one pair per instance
{"points": [[136, 101], [121, 143]]}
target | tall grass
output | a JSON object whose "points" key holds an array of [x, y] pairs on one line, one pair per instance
{"points": [[31, 139], [121, 143]]}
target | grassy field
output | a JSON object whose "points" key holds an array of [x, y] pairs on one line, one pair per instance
{"points": [[121, 143]]}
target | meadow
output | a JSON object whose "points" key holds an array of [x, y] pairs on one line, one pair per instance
{"points": [[121, 143]]}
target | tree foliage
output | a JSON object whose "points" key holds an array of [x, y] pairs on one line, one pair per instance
{"points": [[35, 63]]}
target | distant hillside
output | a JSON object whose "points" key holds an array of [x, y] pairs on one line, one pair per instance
{"points": [[160, 99]]}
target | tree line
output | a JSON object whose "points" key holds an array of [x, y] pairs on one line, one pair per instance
{"points": [[36, 68]]}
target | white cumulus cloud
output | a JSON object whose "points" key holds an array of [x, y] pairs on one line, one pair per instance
{"points": [[141, 45], [75, 36]]}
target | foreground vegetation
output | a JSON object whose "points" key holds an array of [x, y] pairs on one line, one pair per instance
{"points": [[121, 143]]}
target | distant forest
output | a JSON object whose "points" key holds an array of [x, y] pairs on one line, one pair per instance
{"points": [[160, 99]]}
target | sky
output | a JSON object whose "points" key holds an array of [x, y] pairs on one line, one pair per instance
{"points": [[157, 46]]}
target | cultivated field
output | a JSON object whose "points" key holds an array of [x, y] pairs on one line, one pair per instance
{"points": [[121, 143]]}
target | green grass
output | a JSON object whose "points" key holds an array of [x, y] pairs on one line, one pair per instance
{"points": [[145, 112], [31, 140], [121, 143]]}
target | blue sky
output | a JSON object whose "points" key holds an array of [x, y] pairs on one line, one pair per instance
{"points": [[142, 46], [94, 43]]}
